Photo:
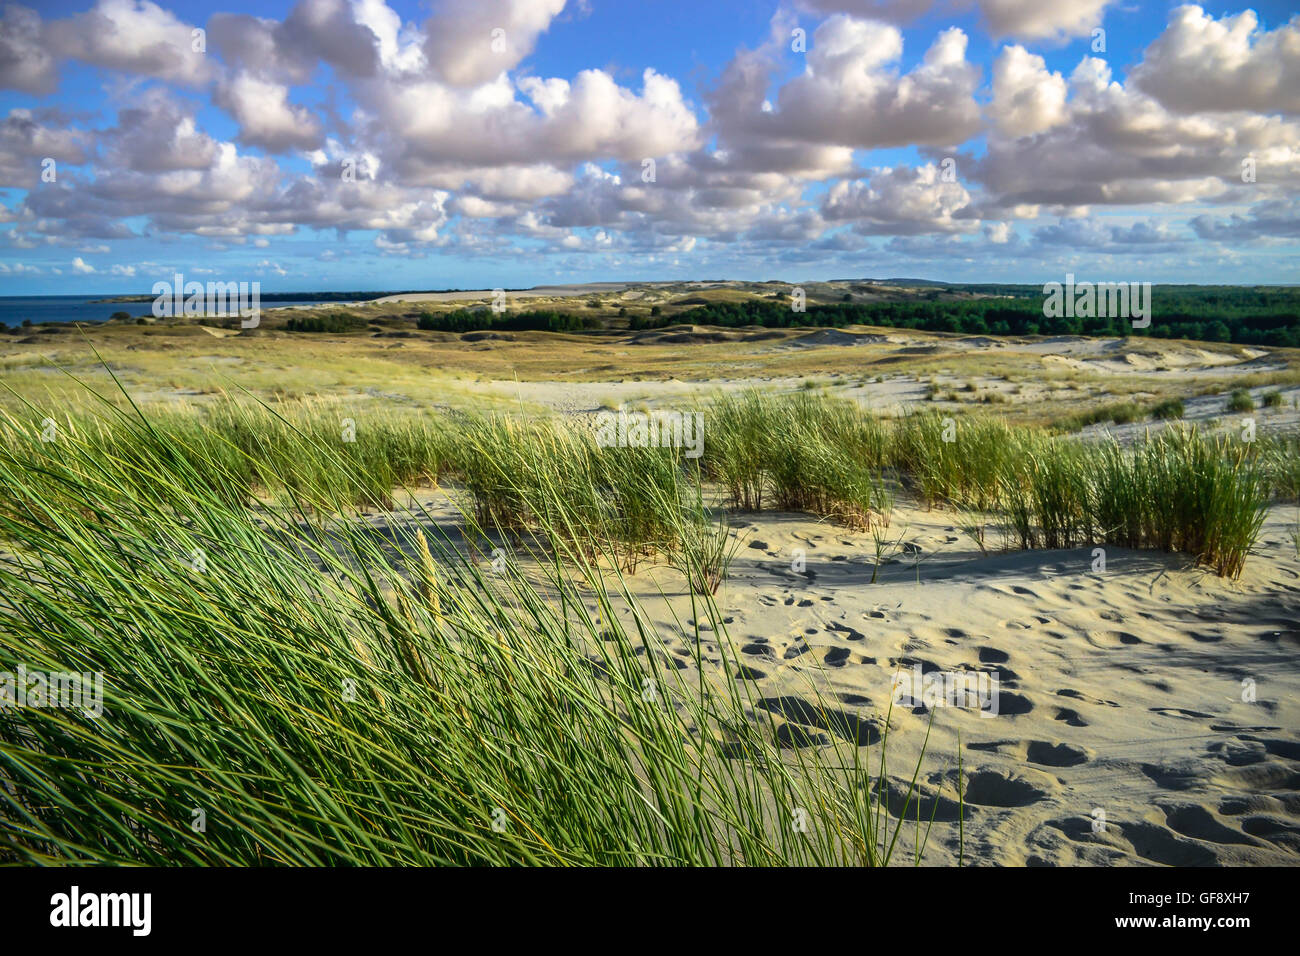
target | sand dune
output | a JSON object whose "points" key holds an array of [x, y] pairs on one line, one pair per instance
{"points": [[1125, 731]]}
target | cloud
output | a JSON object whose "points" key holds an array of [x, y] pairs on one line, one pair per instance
{"points": [[426, 136], [850, 94], [471, 42], [27, 139], [25, 62], [435, 134], [1027, 98], [81, 267], [134, 36], [1200, 63], [1042, 19], [899, 201], [159, 134], [890, 11], [328, 30], [1093, 234], [266, 117], [1117, 146], [1273, 219]]}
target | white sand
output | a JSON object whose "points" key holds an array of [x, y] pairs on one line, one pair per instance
{"points": [[1119, 695], [1128, 683]]}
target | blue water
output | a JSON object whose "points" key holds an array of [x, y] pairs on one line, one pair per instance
{"points": [[84, 308]]}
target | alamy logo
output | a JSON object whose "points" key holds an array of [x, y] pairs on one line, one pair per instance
{"points": [[1085, 300], [622, 429], [179, 298], [75, 908], [67, 690]]}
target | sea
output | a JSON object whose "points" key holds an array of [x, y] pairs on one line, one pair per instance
{"points": [[91, 308]]}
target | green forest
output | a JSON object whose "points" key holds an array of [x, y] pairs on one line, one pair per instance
{"points": [[536, 320], [1253, 316]]}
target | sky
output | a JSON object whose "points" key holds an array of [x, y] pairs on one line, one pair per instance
{"points": [[364, 145]]}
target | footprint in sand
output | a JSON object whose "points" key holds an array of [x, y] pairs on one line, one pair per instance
{"points": [[1195, 821], [907, 663], [836, 656], [1079, 695], [1174, 778], [1055, 755], [1071, 717], [1013, 705], [792, 735], [1108, 640], [1281, 832], [849, 633], [988, 788], [1037, 751], [1288, 749], [1180, 713], [1153, 842], [904, 798], [843, 724]]}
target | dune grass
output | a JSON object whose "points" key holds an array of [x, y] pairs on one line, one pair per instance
{"points": [[1169, 408], [317, 690], [804, 452], [1177, 490], [1240, 400], [323, 689]]}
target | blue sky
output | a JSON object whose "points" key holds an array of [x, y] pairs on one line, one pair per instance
{"points": [[967, 140]]}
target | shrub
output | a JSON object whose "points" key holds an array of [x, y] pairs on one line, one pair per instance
{"points": [[334, 322], [1167, 409], [1124, 413], [476, 320], [1240, 401]]}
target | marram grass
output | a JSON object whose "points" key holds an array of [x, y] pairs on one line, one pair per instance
{"points": [[314, 688], [286, 685]]}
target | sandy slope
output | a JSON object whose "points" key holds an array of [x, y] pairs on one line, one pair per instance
{"points": [[1119, 690], [537, 292], [1119, 693]]}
